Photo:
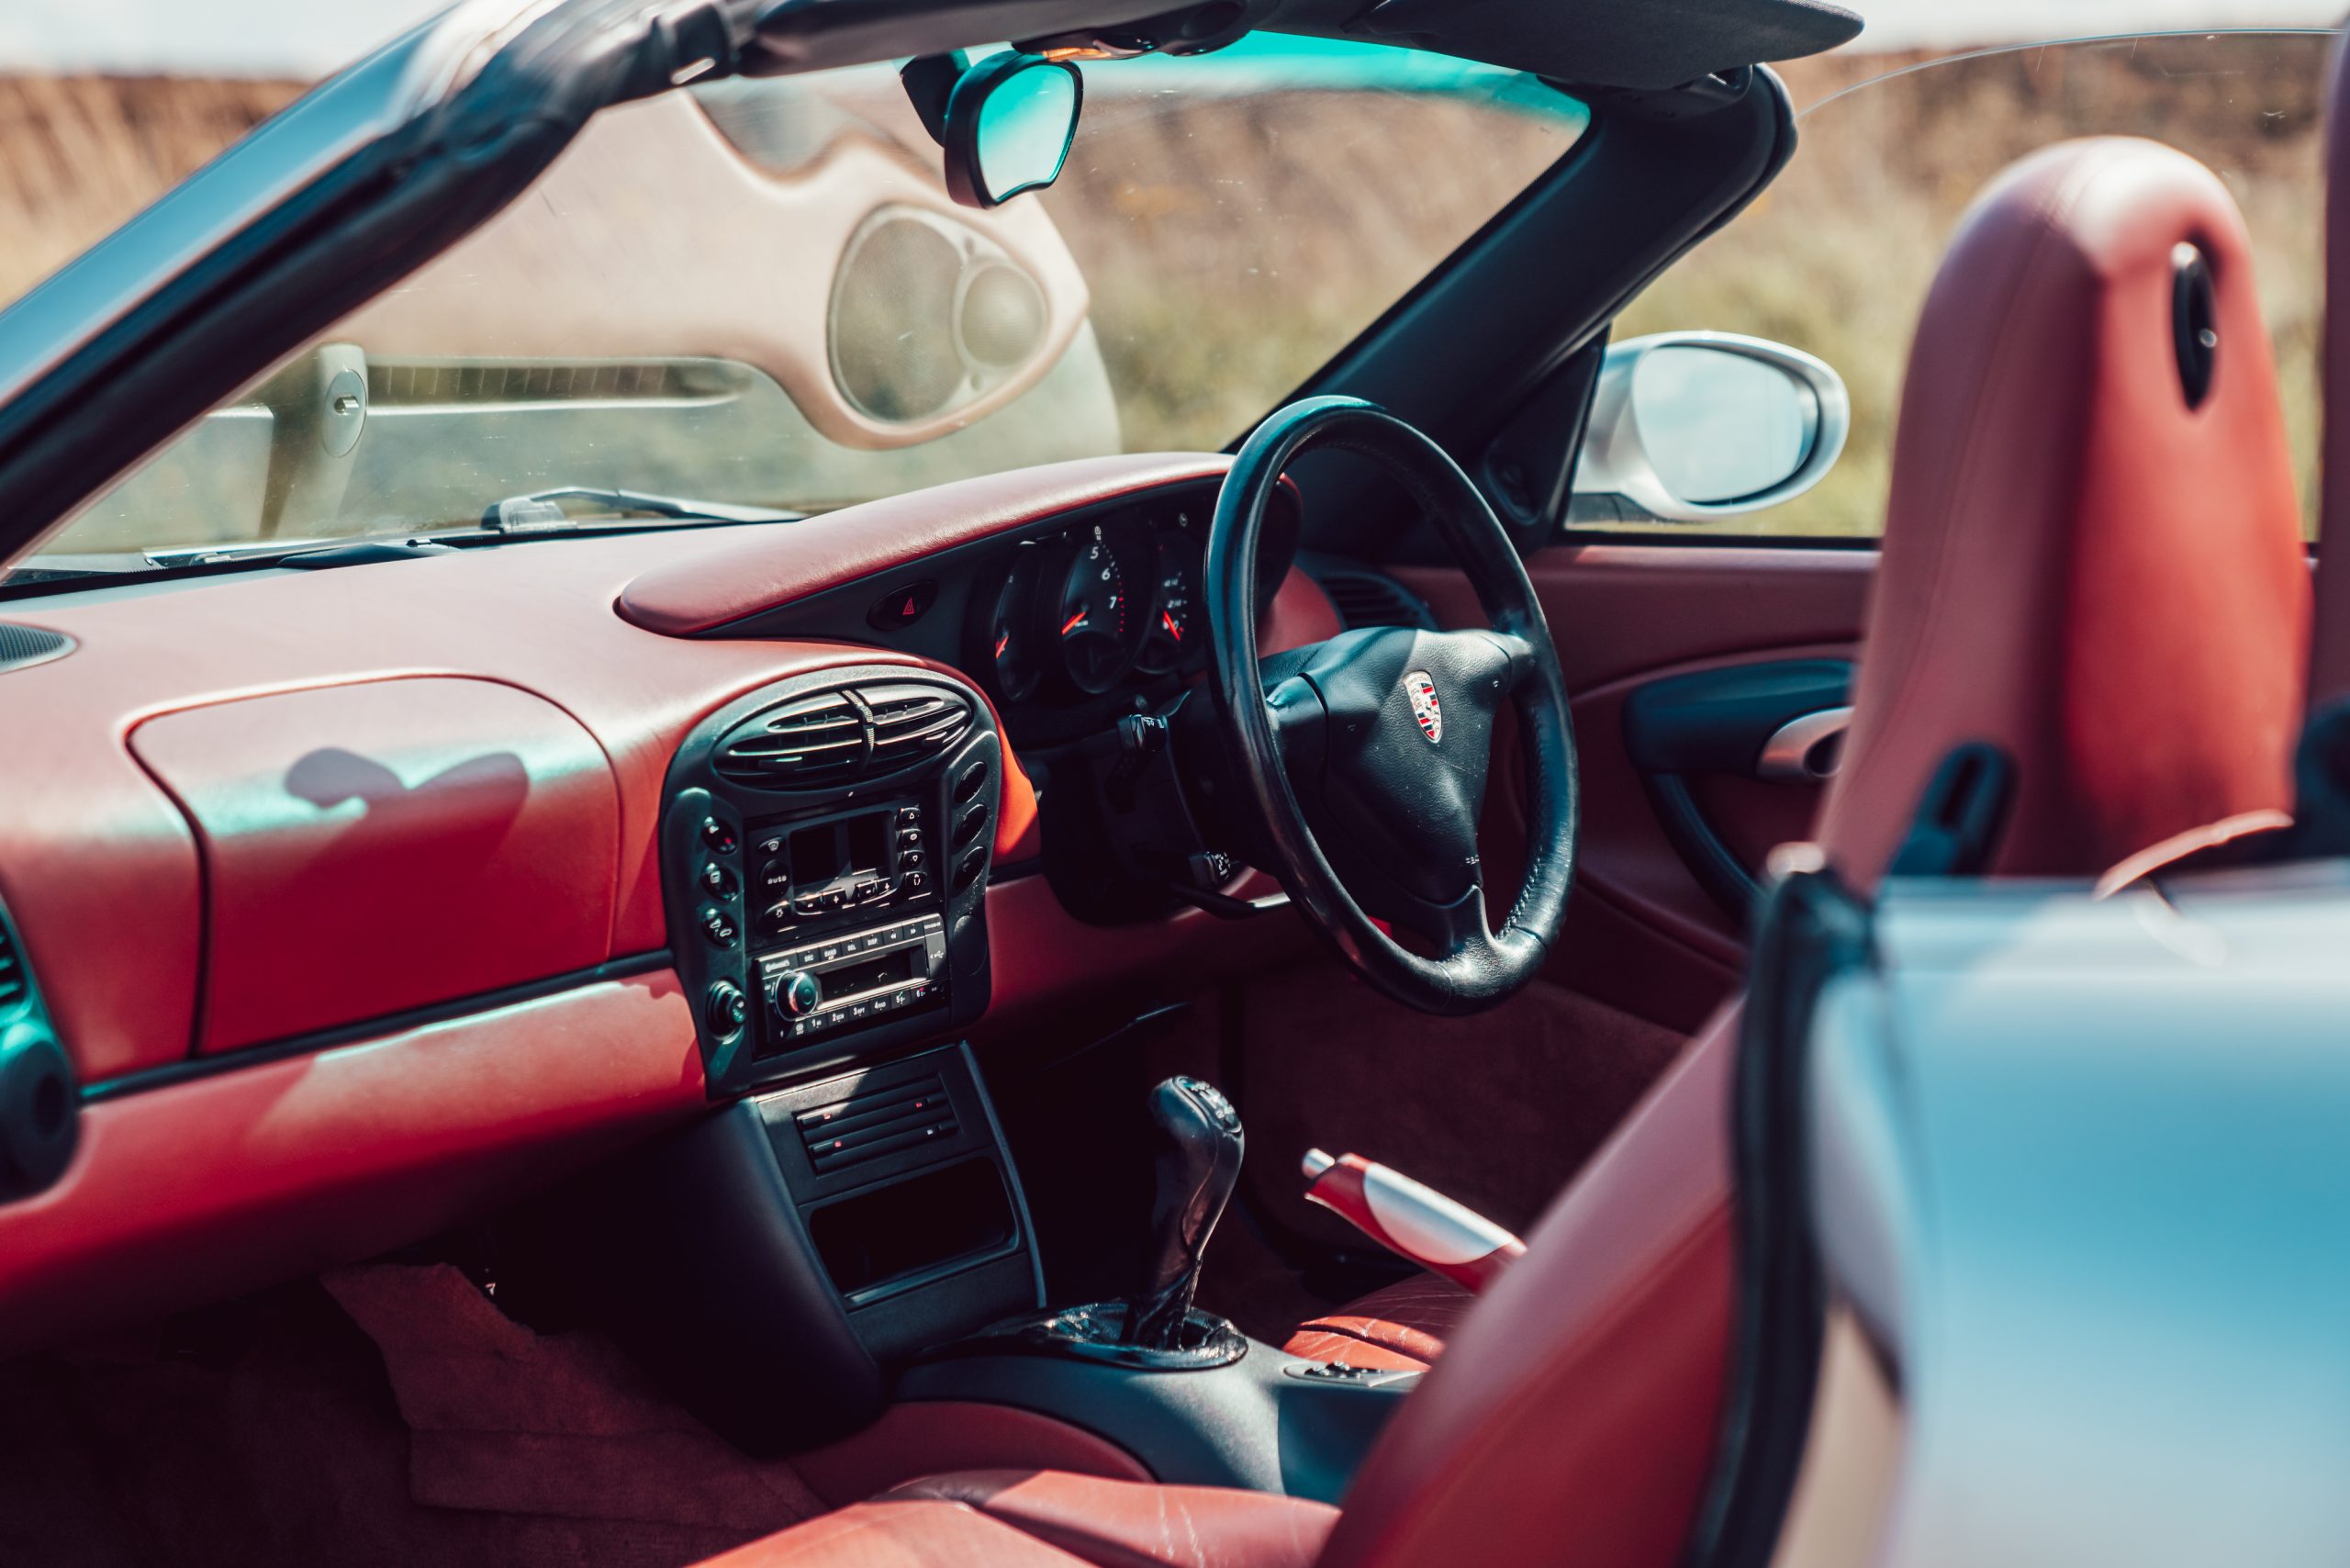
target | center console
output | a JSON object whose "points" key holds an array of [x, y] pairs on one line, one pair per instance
{"points": [[824, 857], [849, 1230]]}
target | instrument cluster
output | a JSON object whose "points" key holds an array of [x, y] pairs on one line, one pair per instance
{"points": [[1109, 603]]}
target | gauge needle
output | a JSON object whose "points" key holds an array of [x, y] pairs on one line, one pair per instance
{"points": [[1075, 621], [1168, 621], [1003, 642]]}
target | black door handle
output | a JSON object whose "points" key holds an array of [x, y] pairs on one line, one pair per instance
{"points": [[1780, 719]]}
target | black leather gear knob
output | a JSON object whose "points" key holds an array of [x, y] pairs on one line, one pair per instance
{"points": [[1197, 1144]]}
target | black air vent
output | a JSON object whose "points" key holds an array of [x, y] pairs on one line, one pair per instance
{"points": [[12, 976], [22, 645], [913, 722], [1367, 599], [881, 1121], [841, 737]]}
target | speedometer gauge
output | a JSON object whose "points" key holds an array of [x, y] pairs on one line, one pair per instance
{"points": [[1105, 591]]}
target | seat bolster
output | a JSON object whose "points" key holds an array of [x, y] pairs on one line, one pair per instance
{"points": [[1401, 1328], [886, 1534], [1123, 1524]]}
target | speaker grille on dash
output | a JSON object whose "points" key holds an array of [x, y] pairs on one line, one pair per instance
{"points": [[22, 645], [893, 321]]}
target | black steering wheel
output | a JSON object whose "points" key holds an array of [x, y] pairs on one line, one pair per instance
{"points": [[1362, 761]]}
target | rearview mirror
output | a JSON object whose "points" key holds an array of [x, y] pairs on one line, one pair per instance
{"points": [[1009, 124], [1691, 426]]}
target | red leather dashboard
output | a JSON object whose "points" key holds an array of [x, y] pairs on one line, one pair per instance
{"points": [[377, 847], [285, 801]]}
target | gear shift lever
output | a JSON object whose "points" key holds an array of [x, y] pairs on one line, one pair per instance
{"points": [[1196, 1156]]}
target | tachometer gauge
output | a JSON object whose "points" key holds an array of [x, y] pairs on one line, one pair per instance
{"points": [[1175, 624], [1105, 594], [1008, 630]]}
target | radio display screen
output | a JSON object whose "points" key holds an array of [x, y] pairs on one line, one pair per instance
{"points": [[874, 974]]}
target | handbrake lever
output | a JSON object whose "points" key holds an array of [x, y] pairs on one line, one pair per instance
{"points": [[1416, 1223]]}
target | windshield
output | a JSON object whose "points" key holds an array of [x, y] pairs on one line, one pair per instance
{"points": [[759, 293]]}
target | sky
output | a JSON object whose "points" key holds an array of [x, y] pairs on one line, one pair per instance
{"points": [[309, 37]]}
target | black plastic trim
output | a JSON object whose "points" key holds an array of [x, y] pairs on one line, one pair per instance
{"points": [[1811, 930], [39, 1110], [1481, 335], [196, 1067]]}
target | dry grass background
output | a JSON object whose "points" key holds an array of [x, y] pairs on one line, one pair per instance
{"points": [[1231, 245], [80, 154]]}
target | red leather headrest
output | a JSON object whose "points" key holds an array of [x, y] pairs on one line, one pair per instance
{"points": [[2079, 567]]}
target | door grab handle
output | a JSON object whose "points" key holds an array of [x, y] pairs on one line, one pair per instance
{"points": [[1804, 749]]}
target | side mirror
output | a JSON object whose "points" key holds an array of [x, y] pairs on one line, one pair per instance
{"points": [[1007, 127], [1692, 426]]}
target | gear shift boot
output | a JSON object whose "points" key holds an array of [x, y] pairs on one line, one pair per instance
{"points": [[1196, 1147]]}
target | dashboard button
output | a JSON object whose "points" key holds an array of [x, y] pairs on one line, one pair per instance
{"points": [[916, 881], [902, 606], [775, 878], [719, 927], [716, 882], [719, 837], [727, 1010]]}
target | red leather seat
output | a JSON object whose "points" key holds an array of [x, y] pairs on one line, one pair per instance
{"points": [[1047, 1520], [2079, 568]]}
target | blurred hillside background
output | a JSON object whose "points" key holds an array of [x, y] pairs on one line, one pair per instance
{"points": [[1834, 259]]}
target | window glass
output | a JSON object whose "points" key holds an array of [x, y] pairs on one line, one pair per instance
{"points": [[1836, 257], [758, 292]]}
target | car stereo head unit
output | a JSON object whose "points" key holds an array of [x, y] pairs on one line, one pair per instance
{"points": [[826, 848]]}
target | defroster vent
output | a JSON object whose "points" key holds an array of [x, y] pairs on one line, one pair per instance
{"points": [[12, 974], [842, 737], [881, 1121], [21, 645]]}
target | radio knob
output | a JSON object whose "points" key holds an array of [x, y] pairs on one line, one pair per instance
{"points": [[796, 994]]}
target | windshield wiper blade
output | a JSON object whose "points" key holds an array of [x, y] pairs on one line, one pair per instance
{"points": [[538, 510]]}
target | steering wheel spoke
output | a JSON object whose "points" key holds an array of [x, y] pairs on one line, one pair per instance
{"points": [[1300, 725], [1363, 759], [1453, 929], [1523, 658]]}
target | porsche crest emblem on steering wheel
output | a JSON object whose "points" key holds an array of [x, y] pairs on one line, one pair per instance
{"points": [[1422, 691]]}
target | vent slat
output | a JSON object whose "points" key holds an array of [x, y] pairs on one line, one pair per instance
{"points": [[12, 976], [834, 736]]}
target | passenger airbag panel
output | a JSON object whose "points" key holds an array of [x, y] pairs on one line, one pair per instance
{"points": [[374, 848]]}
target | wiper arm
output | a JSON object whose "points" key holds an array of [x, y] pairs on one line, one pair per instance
{"points": [[538, 512]]}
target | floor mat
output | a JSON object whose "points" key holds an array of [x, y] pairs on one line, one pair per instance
{"points": [[269, 1436]]}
